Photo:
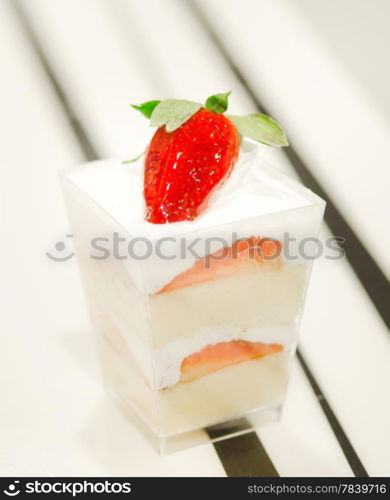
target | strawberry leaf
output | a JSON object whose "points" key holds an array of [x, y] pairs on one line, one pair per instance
{"points": [[261, 128], [218, 102], [146, 108], [173, 113]]}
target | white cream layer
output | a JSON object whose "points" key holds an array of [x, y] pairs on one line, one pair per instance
{"points": [[168, 359], [253, 190]]}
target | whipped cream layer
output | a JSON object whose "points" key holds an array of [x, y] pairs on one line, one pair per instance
{"points": [[235, 210], [163, 369]]}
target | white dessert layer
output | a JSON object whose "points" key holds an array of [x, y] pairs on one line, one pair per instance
{"points": [[168, 359], [161, 367], [235, 211], [257, 307]]}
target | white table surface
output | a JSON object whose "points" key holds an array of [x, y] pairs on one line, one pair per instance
{"points": [[55, 418]]}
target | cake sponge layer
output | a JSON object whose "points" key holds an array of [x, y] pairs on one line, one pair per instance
{"points": [[248, 301]]}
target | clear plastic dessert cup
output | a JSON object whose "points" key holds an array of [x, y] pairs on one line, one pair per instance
{"points": [[196, 321]]}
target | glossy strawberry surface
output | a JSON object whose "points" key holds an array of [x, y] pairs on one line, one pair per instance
{"points": [[184, 167]]}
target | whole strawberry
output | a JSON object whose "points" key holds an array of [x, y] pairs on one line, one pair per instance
{"points": [[184, 167], [193, 151]]}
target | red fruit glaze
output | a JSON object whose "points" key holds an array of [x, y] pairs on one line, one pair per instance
{"points": [[184, 167]]}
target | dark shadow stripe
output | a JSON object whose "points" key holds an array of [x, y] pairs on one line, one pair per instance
{"points": [[236, 426], [243, 455], [353, 458], [371, 276], [85, 144], [365, 267]]}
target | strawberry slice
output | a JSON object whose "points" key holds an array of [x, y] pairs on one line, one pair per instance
{"points": [[184, 167], [244, 256], [218, 356]]}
